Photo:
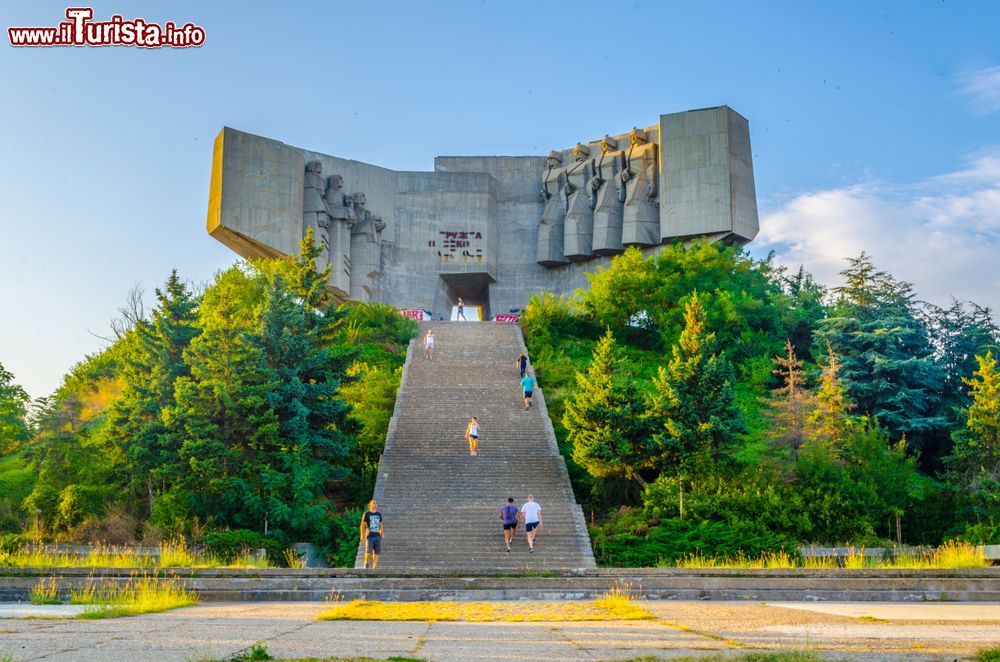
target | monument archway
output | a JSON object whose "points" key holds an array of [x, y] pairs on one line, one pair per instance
{"points": [[474, 288]]}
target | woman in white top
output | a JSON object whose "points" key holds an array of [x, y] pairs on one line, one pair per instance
{"points": [[429, 344], [472, 434]]}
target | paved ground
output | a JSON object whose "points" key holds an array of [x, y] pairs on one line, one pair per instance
{"points": [[869, 631]]}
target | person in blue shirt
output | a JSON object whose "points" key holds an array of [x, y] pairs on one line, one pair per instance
{"points": [[528, 389]]}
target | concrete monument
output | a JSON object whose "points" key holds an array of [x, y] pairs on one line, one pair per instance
{"points": [[609, 192], [476, 227], [578, 230], [551, 228], [641, 218]]}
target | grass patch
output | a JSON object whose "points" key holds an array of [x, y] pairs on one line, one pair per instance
{"points": [[988, 655], [171, 555], [615, 605], [141, 595], [949, 556], [256, 653], [45, 592], [789, 656]]}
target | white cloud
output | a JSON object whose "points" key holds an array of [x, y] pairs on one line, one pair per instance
{"points": [[982, 88], [941, 234]]}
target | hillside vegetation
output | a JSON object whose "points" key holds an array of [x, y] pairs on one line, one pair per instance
{"points": [[714, 404], [248, 415]]}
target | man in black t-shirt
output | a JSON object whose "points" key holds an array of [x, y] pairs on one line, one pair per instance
{"points": [[371, 533]]}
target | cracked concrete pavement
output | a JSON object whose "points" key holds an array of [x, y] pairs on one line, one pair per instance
{"points": [[213, 631]]}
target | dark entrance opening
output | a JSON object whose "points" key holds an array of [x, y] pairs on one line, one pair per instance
{"points": [[473, 288]]}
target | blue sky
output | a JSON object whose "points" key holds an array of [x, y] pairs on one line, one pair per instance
{"points": [[875, 125]]}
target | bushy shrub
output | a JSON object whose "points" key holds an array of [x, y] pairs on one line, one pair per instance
{"points": [[631, 540], [227, 546], [343, 529], [116, 528], [11, 542]]}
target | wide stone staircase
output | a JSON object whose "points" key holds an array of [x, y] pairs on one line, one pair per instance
{"points": [[440, 504]]}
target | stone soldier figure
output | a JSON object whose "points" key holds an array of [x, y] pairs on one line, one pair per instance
{"points": [[641, 219], [550, 228], [579, 226], [609, 191], [340, 208], [314, 212], [365, 249]]}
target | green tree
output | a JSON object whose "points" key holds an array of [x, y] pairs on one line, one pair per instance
{"points": [[304, 375], [790, 403], [605, 420], [829, 422], [14, 401], [153, 360], [692, 403], [974, 464], [221, 412], [75, 464], [887, 361]]}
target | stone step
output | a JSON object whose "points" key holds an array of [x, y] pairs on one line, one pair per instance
{"points": [[526, 577], [433, 492]]}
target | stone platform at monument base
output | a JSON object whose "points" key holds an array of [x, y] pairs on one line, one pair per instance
{"points": [[277, 584]]}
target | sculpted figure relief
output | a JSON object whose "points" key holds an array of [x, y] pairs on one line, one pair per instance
{"points": [[641, 219], [340, 208], [550, 228], [314, 211], [579, 226], [609, 192], [365, 249]]}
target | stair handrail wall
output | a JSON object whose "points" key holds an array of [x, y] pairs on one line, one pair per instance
{"points": [[580, 520], [390, 436]]}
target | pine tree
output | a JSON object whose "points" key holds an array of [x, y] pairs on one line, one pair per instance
{"points": [[221, 411], [790, 404], [605, 419], [313, 420], [153, 361], [693, 402], [829, 422], [976, 455], [887, 361], [960, 333]]}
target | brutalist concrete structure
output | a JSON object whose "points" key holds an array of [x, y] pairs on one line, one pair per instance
{"points": [[491, 229]]}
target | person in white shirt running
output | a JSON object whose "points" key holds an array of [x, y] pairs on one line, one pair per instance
{"points": [[429, 344], [532, 514]]}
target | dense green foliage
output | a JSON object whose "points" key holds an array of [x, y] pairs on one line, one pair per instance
{"points": [[255, 408], [727, 393]]}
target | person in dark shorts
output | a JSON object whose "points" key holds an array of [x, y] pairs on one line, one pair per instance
{"points": [[527, 388], [522, 364], [532, 514], [461, 309], [508, 517], [371, 533]]}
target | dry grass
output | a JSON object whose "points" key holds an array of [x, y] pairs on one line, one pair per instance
{"points": [[480, 612], [171, 555], [45, 592], [141, 595], [949, 556], [615, 605]]}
